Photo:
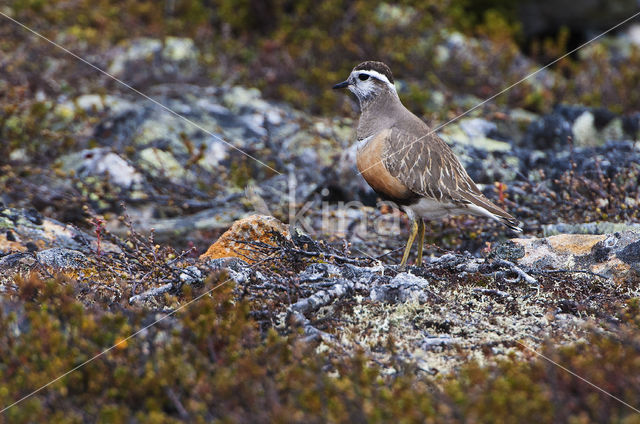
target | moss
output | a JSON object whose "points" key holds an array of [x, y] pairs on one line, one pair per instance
{"points": [[210, 362], [240, 174]]}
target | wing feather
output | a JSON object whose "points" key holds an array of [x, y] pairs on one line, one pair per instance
{"points": [[429, 168]]}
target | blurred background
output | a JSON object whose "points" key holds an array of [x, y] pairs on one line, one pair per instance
{"points": [[294, 50]]}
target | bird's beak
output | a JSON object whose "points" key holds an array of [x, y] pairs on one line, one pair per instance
{"points": [[343, 84]]}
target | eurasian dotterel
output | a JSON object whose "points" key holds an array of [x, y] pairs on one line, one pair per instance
{"points": [[406, 162]]}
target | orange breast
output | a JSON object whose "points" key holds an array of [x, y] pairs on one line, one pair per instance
{"points": [[369, 162]]}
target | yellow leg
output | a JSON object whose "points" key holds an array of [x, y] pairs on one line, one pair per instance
{"points": [[412, 237], [420, 241]]}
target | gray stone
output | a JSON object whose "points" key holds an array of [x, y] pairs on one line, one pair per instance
{"points": [[239, 271], [614, 255], [215, 153], [191, 275], [137, 50], [161, 163], [102, 162], [477, 127], [240, 99], [59, 257], [585, 132], [178, 49], [549, 131], [172, 58], [508, 250], [29, 227], [402, 288], [396, 15], [588, 228]]}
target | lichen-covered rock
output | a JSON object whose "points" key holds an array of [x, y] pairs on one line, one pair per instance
{"points": [[236, 241], [58, 257], [474, 132], [602, 227], [102, 162], [93, 103], [613, 255], [549, 131], [458, 51], [402, 288], [580, 125], [161, 163], [26, 230], [172, 57]]}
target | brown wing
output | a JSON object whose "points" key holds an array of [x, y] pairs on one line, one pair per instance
{"points": [[429, 168]]}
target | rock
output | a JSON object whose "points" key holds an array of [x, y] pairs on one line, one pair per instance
{"points": [[319, 272], [191, 275], [163, 133], [144, 137], [240, 99], [17, 260], [588, 228], [239, 270], [549, 131], [255, 228], [102, 162], [587, 131], [178, 49], [508, 250], [633, 33], [402, 288], [141, 49], [162, 164], [59, 257], [215, 218], [587, 127], [474, 132], [9, 242], [161, 60], [21, 229], [617, 48], [465, 54], [630, 254], [93, 103], [477, 127], [631, 125], [584, 131], [613, 255], [398, 16], [213, 156], [608, 160]]}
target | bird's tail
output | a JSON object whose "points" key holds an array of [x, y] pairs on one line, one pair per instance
{"points": [[510, 222], [480, 205]]}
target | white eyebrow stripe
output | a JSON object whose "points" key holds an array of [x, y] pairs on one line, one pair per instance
{"points": [[378, 75]]}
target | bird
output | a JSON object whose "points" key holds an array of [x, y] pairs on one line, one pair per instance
{"points": [[404, 161]]}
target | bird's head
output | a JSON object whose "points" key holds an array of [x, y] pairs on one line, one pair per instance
{"points": [[369, 80]]}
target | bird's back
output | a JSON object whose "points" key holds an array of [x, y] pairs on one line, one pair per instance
{"points": [[427, 168]]}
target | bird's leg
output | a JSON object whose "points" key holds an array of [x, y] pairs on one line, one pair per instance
{"points": [[412, 237], [420, 241]]}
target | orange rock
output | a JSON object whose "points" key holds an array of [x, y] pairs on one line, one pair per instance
{"points": [[12, 246], [576, 252], [575, 244], [253, 228]]}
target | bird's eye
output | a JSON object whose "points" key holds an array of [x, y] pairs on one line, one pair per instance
{"points": [[363, 77]]}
